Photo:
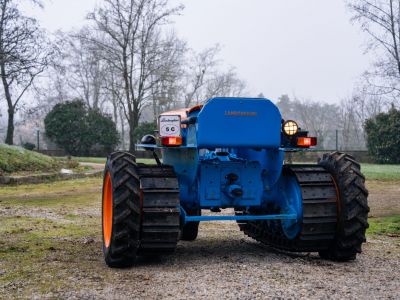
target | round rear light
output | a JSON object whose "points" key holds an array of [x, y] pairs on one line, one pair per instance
{"points": [[290, 127]]}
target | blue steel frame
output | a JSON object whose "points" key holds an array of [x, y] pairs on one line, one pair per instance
{"points": [[231, 135], [185, 218]]}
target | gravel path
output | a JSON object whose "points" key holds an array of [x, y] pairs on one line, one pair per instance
{"points": [[223, 264], [95, 167]]}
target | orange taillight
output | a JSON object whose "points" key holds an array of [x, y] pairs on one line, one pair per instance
{"points": [[171, 140], [306, 141]]}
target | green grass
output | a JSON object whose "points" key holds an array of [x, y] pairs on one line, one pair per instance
{"points": [[30, 192], [48, 231], [102, 160], [381, 172], [96, 160], [55, 248], [385, 226], [16, 159], [378, 172], [371, 171], [52, 230]]}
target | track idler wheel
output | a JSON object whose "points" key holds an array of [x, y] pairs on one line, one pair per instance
{"points": [[352, 206]]}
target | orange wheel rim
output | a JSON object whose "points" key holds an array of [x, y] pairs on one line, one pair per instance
{"points": [[107, 210], [338, 206]]}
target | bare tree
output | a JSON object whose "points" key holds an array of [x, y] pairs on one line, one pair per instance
{"points": [[367, 105], [350, 125], [204, 78], [133, 36], [317, 117], [82, 65], [200, 66], [114, 94], [167, 80], [380, 19], [226, 84], [321, 119], [23, 56]]}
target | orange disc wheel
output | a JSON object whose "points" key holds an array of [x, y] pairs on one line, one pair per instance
{"points": [[121, 190], [107, 210]]}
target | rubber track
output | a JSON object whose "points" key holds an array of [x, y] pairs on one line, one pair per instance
{"points": [[160, 210], [319, 214]]}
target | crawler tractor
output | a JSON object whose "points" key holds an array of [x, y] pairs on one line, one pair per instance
{"points": [[230, 153]]}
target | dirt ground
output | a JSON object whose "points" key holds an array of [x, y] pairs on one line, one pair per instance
{"points": [[50, 247], [384, 198]]}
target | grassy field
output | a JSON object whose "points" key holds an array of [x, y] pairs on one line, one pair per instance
{"points": [[102, 160], [371, 171], [16, 159], [381, 172], [385, 226], [44, 227], [96, 160]]}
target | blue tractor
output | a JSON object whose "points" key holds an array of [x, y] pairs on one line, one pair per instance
{"points": [[230, 153]]}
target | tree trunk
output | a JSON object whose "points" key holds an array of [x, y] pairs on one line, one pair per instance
{"points": [[10, 127], [123, 134], [115, 113], [133, 124], [11, 110], [132, 140], [122, 120]]}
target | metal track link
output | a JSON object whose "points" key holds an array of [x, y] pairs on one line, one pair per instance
{"points": [[319, 213], [160, 210]]}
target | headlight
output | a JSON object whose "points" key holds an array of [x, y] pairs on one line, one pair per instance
{"points": [[290, 128]]}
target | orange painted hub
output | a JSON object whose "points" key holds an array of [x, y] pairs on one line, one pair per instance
{"points": [[338, 204], [107, 210]]}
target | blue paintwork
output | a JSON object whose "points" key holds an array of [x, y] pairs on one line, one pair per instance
{"points": [[243, 137], [284, 217], [240, 218], [186, 165], [239, 123], [290, 202], [215, 189], [271, 160]]}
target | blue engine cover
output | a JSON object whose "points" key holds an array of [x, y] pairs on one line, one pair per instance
{"points": [[217, 190], [239, 123]]}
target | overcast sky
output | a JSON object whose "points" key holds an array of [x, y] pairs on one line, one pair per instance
{"points": [[306, 48]]}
